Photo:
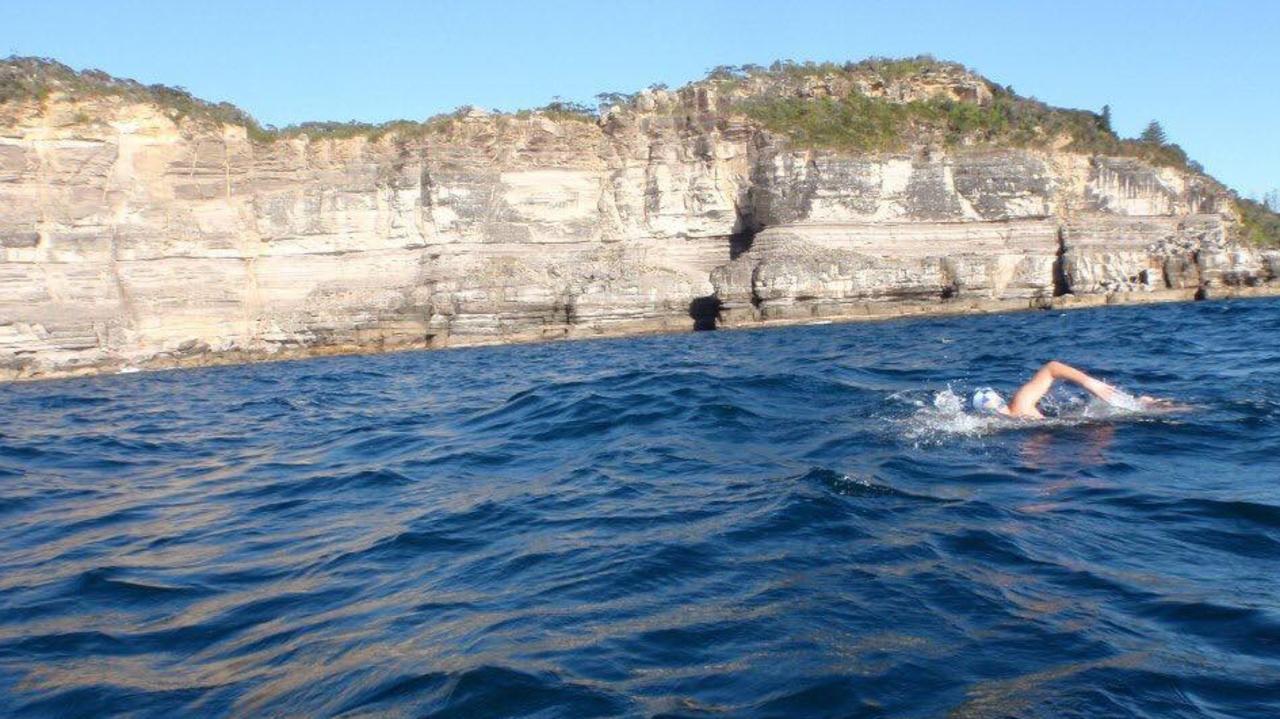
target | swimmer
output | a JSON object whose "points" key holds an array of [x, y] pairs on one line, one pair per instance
{"points": [[1023, 405]]}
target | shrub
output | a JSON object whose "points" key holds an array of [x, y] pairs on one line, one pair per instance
{"points": [[561, 109], [859, 122], [34, 78], [403, 129], [1258, 224], [862, 123]]}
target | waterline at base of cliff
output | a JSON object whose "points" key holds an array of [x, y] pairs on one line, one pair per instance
{"points": [[773, 523], [202, 356]]}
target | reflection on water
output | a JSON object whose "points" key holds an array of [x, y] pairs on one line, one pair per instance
{"points": [[1087, 445]]}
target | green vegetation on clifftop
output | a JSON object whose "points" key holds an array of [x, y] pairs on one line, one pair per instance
{"points": [[26, 79], [1258, 223], [31, 78], [875, 105], [857, 121]]}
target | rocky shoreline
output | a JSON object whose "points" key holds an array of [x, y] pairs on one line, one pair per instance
{"points": [[132, 237], [872, 313]]}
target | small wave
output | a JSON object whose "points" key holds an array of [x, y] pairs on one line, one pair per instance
{"points": [[322, 485], [16, 503], [1252, 515], [398, 689], [105, 584], [74, 643], [73, 401], [1243, 629], [265, 404], [490, 691], [1263, 514], [418, 542], [858, 486]]}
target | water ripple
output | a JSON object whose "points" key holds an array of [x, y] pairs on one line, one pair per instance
{"points": [[794, 522]]}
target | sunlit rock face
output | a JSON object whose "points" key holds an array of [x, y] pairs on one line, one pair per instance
{"points": [[134, 239], [975, 230]]}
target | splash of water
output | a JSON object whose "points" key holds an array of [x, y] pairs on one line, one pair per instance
{"points": [[946, 415]]}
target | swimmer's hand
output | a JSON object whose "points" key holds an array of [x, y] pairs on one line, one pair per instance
{"points": [[1160, 404], [1123, 400], [1145, 403]]}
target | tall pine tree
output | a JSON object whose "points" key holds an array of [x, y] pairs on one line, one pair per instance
{"points": [[1154, 134]]}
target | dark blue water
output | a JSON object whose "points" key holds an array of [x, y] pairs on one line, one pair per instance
{"points": [[756, 523]]}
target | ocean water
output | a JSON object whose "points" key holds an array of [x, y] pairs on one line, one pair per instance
{"points": [[767, 523]]}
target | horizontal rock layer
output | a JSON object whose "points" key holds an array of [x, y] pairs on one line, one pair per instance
{"points": [[138, 240]]}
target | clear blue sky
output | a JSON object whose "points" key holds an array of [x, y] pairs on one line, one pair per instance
{"points": [[1207, 70]]}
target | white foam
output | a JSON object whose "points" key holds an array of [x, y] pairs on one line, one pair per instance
{"points": [[944, 415], [1125, 402]]}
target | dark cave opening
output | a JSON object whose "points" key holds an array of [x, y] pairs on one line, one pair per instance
{"points": [[705, 312], [1061, 285]]}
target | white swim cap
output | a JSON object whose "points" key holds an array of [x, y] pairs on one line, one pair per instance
{"points": [[987, 401]]}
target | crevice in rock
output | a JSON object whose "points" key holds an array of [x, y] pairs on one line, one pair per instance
{"points": [[1202, 282], [950, 280], [744, 228], [740, 242], [1061, 283], [127, 306], [705, 312], [756, 300], [424, 181], [567, 308]]}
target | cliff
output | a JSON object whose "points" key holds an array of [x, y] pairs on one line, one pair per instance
{"points": [[141, 227]]}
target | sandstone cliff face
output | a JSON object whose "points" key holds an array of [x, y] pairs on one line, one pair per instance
{"points": [[135, 239], [976, 229]]}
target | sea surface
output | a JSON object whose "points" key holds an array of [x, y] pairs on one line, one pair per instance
{"points": [[768, 523]]}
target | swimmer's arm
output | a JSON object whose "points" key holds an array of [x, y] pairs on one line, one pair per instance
{"points": [[1096, 387], [1029, 395]]}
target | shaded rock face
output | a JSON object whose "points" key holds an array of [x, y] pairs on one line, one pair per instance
{"points": [[135, 240]]}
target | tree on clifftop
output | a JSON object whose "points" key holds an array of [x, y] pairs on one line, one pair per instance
{"points": [[1105, 118], [1154, 134]]}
